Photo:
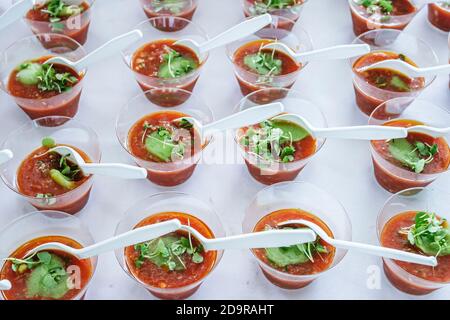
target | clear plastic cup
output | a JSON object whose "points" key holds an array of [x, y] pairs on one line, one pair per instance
{"points": [[76, 27], [368, 97], [164, 173], [181, 9], [39, 224], [439, 16], [297, 39], [416, 199], [363, 22], [306, 197], [152, 32], [391, 177], [34, 47], [292, 14], [170, 202], [27, 138], [270, 172]]}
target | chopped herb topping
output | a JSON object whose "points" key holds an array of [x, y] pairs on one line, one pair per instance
{"points": [[414, 156], [58, 11], [430, 234], [170, 252], [264, 6], [162, 143], [264, 63], [48, 277], [175, 65], [173, 6], [377, 6], [45, 77]]}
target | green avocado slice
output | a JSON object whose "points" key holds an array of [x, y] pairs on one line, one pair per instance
{"points": [[48, 280], [179, 66], [298, 133], [284, 256]]}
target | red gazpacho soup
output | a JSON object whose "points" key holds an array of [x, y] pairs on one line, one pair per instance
{"points": [[169, 8], [276, 147], [175, 260], [422, 233], [439, 15], [376, 14], [36, 80], [60, 17], [300, 260], [263, 65], [46, 275], [386, 80], [165, 137], [418, 153], [45, 175], [163, 61]]}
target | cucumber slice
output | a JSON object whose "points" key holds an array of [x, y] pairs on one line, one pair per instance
{"points": [[160, 146], [179, 67], [29, 74], [298, 133], [285, 256], [60, 179]]}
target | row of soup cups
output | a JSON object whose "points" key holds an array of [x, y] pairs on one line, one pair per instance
{"points": [[25, 139], [280, 196]]}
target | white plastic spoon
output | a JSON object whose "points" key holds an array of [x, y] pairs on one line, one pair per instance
{"points": [[15, 12], [407, 69], [366, 248], [353, 132], [238, 120], [331, 53], [5, 155], [431, 131], [237, 32], [255, 240], [126, 239], [105, 51], [118, 170], [5, 285]]}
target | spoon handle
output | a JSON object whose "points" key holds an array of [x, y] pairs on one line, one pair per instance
{"points": [[362, 132], [109, 48], [117, 170], [237, 32], [129, 238], [384, 252], [245, 118], [5, 155], [336, 52], [264, 239], [433, 71], [15, 12], [5, 285]]}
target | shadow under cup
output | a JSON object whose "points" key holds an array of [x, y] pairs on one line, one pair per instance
{"points": [[306, 197], [27, 138], [416, 199], [34, 47], [170, 202], [163, 173], [394, 178], [39, 224], [162, 91]]}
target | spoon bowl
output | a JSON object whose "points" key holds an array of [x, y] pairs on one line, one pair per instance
{"points": [[408, 69], [5, 285]]}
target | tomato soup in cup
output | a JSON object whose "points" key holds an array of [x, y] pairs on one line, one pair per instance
{"points": [[375, 86], [168, 8], [297, 266], [160, 65], [60, 17], [46, 179], [48, 274], [161, 140], [439, 15], [416, 220], [179, 273], [38, 88], [277, 150], [373, 14], [290, 9], [256, 68], [417, 160]]}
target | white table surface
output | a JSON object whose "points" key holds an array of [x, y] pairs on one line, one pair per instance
{"points": [[228, 186]]}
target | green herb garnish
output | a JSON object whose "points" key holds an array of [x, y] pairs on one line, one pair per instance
{"points": [[429, 234], [160, 143], [264, 6], [58, 11], [374, 6], [175, 65], [263, 63], [414, 156], [174, 6], [48, 277]]}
